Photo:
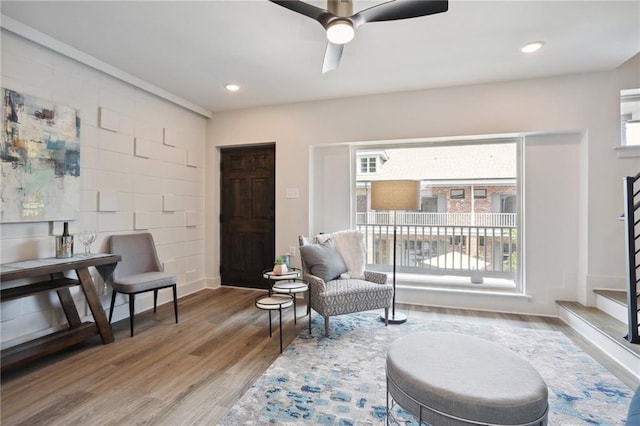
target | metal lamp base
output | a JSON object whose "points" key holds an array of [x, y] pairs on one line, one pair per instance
{"points": [[398, 318]]}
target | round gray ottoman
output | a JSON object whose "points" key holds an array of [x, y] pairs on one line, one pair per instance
{"points": [[453, 379]]}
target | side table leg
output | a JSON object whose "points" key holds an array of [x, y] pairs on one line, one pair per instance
{"points": [[295, 315], [280, 309]]}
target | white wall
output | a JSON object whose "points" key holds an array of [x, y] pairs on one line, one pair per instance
{"points": [[109, 165], [581, 172]]}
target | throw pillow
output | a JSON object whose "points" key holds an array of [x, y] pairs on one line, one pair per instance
{"points": [[323, 260], [350, 245]]}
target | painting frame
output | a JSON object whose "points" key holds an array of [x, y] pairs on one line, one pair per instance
{"points": [[39, 160]]}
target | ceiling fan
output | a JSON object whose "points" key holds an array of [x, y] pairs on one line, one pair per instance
{"points": [[340, 22]]}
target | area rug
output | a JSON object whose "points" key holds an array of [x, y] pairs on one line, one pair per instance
{"points": [[340, 380]]}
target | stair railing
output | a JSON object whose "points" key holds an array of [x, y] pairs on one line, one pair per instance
{"points": [[631, 221]]}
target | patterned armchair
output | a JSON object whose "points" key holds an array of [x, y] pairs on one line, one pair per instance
{"points": [[333, 265]]}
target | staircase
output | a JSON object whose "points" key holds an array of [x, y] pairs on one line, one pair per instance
{"points": [[605, 326], [612, 325]]}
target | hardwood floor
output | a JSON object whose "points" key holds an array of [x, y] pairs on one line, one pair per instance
{"points": [[186, 373]]}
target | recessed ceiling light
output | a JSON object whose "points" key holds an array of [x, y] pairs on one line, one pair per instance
{"points": [[532, 47], [232, 87]]}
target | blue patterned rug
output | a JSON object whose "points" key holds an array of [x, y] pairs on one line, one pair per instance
{"points": [[340, 380]]}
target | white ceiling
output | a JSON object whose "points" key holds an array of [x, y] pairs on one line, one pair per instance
{"points": [[191, 49]]}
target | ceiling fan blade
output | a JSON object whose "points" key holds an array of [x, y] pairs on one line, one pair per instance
{"points": [[332, 57], [400, 9], [304, 8]]}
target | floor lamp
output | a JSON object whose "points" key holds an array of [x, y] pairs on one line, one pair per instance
{"points": [[395, 195]]}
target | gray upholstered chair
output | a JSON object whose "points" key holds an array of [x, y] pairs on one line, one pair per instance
{"points": [[334, 288], [139, 271]]}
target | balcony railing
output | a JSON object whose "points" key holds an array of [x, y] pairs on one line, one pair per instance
{"points": [[435, 243], [499, 220]]}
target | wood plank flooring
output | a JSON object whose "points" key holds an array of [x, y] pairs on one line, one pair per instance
{"points": [[186, 373]]}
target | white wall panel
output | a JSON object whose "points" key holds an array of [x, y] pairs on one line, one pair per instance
{"points": [[108, 166], [170, 137], [194, 159], [141, 220], [193, 218], [169, 203], [144, 148], [89, 200], [107, 201]]}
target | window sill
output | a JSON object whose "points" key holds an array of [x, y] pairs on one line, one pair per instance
{"points": [[457, 284], [628, 151]]}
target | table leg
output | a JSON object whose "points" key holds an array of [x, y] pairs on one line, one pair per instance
{"points": [[67, 303], [69, 307], [86, 282], [295, 315], [280, 309]]}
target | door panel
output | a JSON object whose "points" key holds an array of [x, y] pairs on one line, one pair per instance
{"points": [[247, 206]]}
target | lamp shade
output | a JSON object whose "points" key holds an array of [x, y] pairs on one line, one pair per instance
{"points": [[395, 195]]}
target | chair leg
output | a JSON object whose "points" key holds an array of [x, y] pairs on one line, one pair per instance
{"points": [[386, 316], [132, 309], [113, 302], [175, 302], [326, 326], [155, 300]]}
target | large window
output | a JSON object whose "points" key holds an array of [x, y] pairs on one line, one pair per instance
{"points": [[467, 224]]}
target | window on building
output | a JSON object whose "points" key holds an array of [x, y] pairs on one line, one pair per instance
{"points": [[429, 204], [480, 193], [457, 194], [463, 239], [508, 203], [630, 117], [368, 165]]}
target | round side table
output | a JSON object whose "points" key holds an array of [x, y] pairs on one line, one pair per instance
{"points": [[289, 283], [292, 287], [292, 274], [277, 302]]}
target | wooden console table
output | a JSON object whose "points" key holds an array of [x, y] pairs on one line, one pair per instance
{"points": [[54, 268]]}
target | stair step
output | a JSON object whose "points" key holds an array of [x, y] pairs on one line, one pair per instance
{"points": [[613, 302], [618, 296], [604, 331]]}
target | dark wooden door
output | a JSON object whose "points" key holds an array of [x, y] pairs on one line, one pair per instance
{"points": [[247, 219]]}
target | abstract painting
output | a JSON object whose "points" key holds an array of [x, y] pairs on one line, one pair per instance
{"points": [[39, 160]]}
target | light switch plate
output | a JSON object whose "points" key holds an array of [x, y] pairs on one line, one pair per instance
{"points": [[292, 193]]}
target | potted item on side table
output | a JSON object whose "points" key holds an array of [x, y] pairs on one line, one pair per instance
{"points": [[280, 266]]}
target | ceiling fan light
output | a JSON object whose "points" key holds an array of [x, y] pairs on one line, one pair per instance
{"points": [[340, 31]]}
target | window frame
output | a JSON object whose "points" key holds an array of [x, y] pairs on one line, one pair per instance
{"points": [[519, 287]]}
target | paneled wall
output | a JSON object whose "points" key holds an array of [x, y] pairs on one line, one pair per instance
{"points": [[142, 169]]}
